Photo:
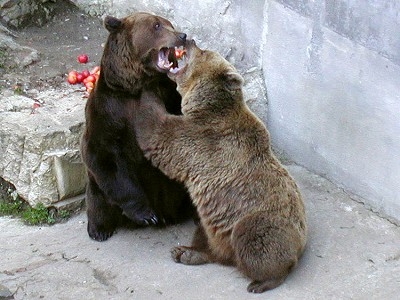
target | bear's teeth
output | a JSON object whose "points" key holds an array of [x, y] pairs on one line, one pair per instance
{"points": [[164, 64], [174, 70]]}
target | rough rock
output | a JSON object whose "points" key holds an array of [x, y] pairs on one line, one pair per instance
{"points": [[40, 147], [5, 293], [19, 13], [18, 55]]}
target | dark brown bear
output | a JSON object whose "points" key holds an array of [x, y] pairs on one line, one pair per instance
{"points": [[121, 181], [251, 211]]}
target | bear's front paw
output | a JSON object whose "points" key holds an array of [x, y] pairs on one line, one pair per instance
{"points": [[145, 216]]}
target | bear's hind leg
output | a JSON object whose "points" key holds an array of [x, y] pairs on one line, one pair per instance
{"points": [[103, 218], [266, 250], [197, 254]]}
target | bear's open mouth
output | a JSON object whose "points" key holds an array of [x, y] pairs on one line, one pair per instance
{"points": [[172, 59]]}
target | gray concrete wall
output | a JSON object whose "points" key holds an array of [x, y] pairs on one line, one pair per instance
{"points": [[332, 74], [333, 79]]}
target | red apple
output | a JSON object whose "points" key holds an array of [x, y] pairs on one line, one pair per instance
{"points": [[83, 58], [34, 107], [95, 70], [72, 77], [85, 73], [179, 53], [79, 78], [74, 73], [91, 78], [89, 86]]}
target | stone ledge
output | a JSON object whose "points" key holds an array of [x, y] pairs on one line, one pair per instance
{"points": [[73, 204], [40, 148]]}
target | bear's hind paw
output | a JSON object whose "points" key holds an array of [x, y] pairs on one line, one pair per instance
{"points": [[99, 235], [188, 256], [262, 286]]}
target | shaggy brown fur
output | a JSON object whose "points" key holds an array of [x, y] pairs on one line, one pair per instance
{"points": [[251, 211], [121, 181]]}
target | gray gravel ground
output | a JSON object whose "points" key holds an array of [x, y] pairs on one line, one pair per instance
{"points": [[352, 254]]}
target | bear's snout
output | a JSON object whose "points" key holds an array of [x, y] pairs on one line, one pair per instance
{"points": [[182, 36]]}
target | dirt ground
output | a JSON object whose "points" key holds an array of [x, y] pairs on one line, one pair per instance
{"points": [[58, 43], [351, 254]]}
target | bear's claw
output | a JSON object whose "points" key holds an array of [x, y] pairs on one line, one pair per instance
{"points": [[146, 217], [154, 220], [101, 236], [98, 234]]}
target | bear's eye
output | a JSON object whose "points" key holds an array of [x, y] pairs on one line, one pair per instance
{"points": [[157, 25]]}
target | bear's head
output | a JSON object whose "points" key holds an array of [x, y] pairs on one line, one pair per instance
{"points": [[133, 48], [206, 80]]}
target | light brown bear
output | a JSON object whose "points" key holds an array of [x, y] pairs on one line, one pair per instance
{"points": [[251, 211]]}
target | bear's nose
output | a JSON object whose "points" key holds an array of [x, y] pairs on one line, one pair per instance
{"points": [[182, 36]]}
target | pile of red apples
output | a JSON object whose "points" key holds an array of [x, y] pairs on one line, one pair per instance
{"points": [[88, 78]]}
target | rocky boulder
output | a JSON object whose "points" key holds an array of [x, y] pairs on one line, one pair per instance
{"points": [[19, 13], [41, 115], [39, 142]]}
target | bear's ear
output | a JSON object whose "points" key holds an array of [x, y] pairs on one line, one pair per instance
{"points": [[112, 24], [233, 80]]}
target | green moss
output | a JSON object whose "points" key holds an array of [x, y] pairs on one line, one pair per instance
{"points": [[63, 214], [11, 208], [13, 205], [38, 215]]}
